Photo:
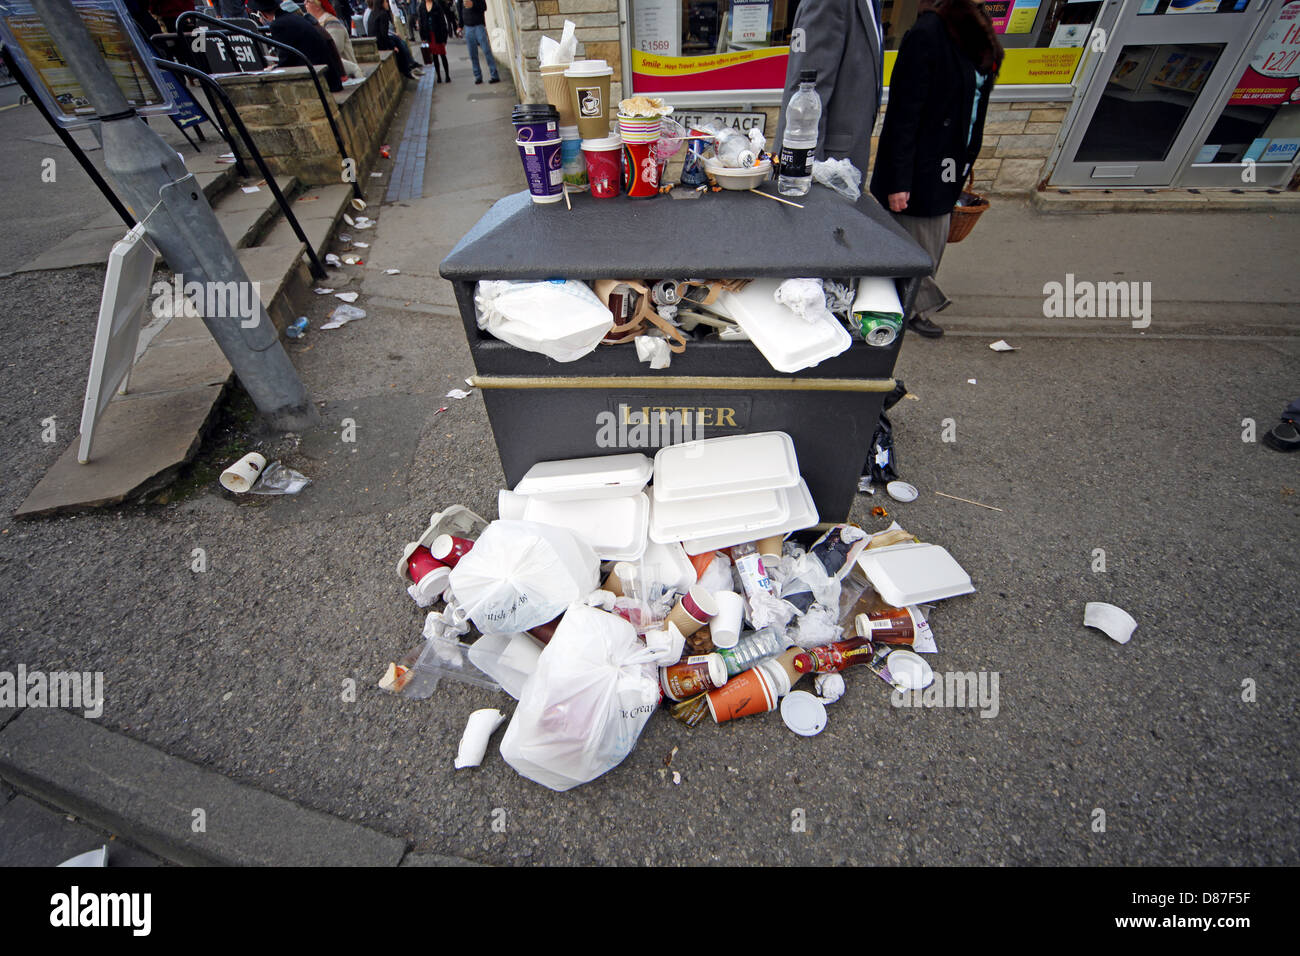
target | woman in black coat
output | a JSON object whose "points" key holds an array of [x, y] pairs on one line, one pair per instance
{"points": [[934, 125], [434, 30]]}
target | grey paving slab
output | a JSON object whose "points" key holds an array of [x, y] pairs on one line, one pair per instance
{"points": [[138, 441], [35, 835], [158, 801]]}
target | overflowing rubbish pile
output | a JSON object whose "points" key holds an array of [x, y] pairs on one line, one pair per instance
{"points": [[610, 589], [795, 323]]}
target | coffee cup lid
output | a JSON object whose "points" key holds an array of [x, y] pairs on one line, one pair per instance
{"points": [[612, 141], [588, 68], [538, 110]]}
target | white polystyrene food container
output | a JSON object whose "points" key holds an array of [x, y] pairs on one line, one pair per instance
{"points": [[803, 514], [913, 573], [733, 464], [787, 341], [668, 564], [740, 513], [609, 476], [614, 527]]}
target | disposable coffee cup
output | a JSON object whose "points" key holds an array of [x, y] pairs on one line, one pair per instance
{"points": [[604, 157], [640, 169], [588, 82], [535, 122], [726, 624], [639, 129], [510, 506], [695, 609], [449, 549], [543, 168], [557, 91], [575, 165], [770, 548], [241, 476]]}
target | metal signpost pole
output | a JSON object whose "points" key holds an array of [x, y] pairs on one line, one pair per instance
{"points": [[181, 225]]}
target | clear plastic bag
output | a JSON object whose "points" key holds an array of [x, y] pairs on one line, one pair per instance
{"points": [[840, 175]]}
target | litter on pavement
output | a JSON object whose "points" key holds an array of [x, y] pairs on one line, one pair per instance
{"points": [[610, 590]]}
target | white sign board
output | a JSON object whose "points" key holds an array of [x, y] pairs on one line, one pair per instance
{"points": [[126, 294], [735, 119], [657, 26], [750, 21]]}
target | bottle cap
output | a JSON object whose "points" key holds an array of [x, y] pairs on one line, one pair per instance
{"points": [[807, 76]]}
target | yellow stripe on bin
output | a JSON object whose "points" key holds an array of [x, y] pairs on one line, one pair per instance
{"points": [[684, 383]]}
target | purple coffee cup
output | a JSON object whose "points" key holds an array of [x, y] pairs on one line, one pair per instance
{"points": [[535, 122], [543, 168]]}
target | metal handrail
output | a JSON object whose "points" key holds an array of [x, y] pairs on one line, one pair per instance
{"points": [[228, 27], [210, 84]]}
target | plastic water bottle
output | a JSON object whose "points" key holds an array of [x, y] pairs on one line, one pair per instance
{"points": [[802, 117], [753, 648], [298, 329], [734, 149]]}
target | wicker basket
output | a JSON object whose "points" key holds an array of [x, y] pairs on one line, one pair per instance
{"points": [[965, 216]]}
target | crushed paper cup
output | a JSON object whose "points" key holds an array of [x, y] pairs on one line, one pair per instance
{"points": [[332, 260], [361, 245], [392, 272], [323, 291], [458, 393], [478, 730], [1001, 346], [1115, 622], [348, 297], [342, 315]]}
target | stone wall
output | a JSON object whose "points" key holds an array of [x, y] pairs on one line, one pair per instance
{"points": [[286, 120]]}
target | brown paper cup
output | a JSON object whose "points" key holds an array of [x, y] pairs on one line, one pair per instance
{"points": [[693, 611], [589, 101], [771, 546], [557, 92]]}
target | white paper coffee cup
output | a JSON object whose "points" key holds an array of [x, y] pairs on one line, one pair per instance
{"points": [[240, 476], [726, 624]]}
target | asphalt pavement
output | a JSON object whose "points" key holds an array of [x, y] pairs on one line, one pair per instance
{"points": [[1092, 436]]}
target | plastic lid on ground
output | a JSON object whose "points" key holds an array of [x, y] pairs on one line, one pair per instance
{"points": [[733, 464], [609, 476], [803, 713]]}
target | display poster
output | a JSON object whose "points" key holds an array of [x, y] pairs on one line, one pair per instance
{"points": [[751, 20], [999, 11], [656, 27], [1193, 6], [1024, 66], [129, 59], [1023, 14], [1273, 76]]}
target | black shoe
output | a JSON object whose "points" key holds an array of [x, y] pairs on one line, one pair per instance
{"points": [[923, 326], [495, 79], [1284, 436], [479, 80]]}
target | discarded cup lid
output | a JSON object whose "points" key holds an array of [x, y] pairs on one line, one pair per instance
{"points": [[902, 491], [803, 713], [910, 670]]}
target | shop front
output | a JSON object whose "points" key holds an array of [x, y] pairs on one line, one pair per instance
{"points": [[1095, 93]]}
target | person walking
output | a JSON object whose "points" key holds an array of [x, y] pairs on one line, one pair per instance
{"points": [[470, 14], [934, 126], [841, 40], [434, 29]]}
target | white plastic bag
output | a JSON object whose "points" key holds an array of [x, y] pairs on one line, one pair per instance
{"points": [[560, 318], [584, 707], [840, 175], [520, 574]]}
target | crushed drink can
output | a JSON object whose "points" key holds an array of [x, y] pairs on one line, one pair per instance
{"points": [[879, 331], [693, 162]]}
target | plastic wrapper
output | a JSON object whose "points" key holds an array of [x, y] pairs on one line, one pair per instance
{"points": [[279, 480], [717, 576], [839, 297], [805, 298], [520, 574], [840, 175], [767, 610], [584, 708], [561, 319], [653, 351], [509, 659], [819, 625], [829, 687]]}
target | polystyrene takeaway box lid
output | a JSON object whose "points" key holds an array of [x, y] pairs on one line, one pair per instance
{"points": [[803, 514], [914, 574], [740, 513], [787, 341], [609, 476], [614, 527], [732, 464]]}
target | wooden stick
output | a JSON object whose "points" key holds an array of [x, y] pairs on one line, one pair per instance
{"points": [[759, 192], [968, 501], [566, 199]]}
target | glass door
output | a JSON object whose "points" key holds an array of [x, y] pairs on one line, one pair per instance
{"points": [[1254, 138], [1153, 88]]}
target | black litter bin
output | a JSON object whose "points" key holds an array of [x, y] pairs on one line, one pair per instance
{"points": [[542, 410]]}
